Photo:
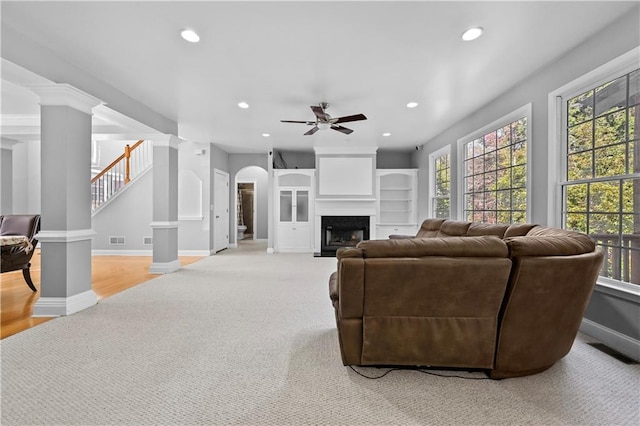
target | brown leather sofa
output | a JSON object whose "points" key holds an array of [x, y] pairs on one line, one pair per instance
{"points": [[507, 299]]}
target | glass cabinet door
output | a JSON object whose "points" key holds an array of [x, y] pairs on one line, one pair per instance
{"points": [[286, 206], [302, 206]]}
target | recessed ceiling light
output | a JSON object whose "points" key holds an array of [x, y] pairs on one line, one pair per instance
{"points": [[190, 35], [472, 33], [266, 135], [386, 134], [412, 104], [243, 105]]}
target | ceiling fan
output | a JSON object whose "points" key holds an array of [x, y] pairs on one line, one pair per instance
{"points": [[325, 121]]}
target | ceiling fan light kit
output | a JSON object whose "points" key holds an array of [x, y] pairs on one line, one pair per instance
{"points": [[324, 121]]}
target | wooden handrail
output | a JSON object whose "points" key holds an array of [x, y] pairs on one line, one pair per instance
{"points": [[127, 155]]}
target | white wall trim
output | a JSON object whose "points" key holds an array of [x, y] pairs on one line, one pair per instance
{"points": [[615, 340], [164, 267], [63, 94], [61, 306], [164, 224], [65, 236], [99, 252]]}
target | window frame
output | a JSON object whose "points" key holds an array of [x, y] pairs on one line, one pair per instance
{"points": [[557, 168], [523, 111], [445, 150]]}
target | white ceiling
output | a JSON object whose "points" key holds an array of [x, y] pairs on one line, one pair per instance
{"points": [[281, 57]]}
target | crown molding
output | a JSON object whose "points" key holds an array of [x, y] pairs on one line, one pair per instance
{"points": [[63, 94]]}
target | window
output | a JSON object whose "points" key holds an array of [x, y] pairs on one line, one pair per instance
{"points": [[440, 183], [494, 171], [601, 180]]}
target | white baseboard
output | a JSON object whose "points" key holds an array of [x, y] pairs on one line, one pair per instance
{"points": [[164, 267], [624, 344], [122, 252], [233, 245], [270, 250], [147, 252], [60, 306]]}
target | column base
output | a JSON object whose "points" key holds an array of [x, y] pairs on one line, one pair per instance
{"points": [[164, 267], [61, 306]]}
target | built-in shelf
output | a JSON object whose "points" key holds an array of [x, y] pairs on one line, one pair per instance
{"points": [[397, 206]]}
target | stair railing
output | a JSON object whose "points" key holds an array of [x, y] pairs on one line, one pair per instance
{"points": [[134, 161]]}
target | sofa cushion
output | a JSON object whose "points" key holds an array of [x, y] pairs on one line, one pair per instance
{"points": [[453, 228], [519, 229], [485, 246], [429, 228], [478, 229], [550, 245]]}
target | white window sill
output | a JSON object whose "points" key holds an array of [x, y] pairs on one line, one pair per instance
{"points": [[619, 289]]}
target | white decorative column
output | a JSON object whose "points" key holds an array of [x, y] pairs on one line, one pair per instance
{"points": [[65, 236], [165, 205]]}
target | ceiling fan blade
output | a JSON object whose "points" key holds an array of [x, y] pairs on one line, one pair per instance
{"points": [[356, 117], [319, 112], [310, 123], [312, 131], [342, 129]]}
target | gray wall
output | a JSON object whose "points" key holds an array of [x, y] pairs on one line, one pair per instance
{"points": [[6, 181], [129, 214], [194, 234], [385, 159], [616, 313], [388, 159], [26, 178], [296, 159]]}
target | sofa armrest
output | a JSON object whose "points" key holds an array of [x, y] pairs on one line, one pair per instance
{"points": [[350, 287]]}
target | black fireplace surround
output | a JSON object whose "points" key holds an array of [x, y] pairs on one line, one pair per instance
{"points": [[342, 231]]}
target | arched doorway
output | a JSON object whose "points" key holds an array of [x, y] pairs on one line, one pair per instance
{"points": [[251, 205]]}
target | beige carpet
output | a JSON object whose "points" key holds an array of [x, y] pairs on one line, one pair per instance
{"points": [[244, 337]]}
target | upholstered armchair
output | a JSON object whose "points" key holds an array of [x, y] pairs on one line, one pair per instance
{"points": [[17, 257]]}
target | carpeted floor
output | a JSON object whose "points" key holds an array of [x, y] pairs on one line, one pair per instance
{"points": [[244, 337]]}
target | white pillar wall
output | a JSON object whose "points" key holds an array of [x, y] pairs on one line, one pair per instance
{"points": [[165, 205], [65, 236]]}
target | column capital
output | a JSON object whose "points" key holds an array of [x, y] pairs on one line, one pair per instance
{"points": [[171, 141], [63, 94]]}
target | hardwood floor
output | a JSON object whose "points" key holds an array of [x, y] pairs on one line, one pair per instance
{"points": [[110, 275]]}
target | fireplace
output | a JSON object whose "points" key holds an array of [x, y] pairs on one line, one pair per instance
{"points": [[342, 231]]}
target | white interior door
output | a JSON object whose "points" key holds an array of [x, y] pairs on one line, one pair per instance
{"points": [[221, 210]]}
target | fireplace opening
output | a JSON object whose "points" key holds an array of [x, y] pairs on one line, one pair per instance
{"points": [[342, 231]]}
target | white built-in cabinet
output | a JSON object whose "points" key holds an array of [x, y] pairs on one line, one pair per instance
{"points": [[396, 202], [294, 206]]}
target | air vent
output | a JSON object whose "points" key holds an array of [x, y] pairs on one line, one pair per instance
{"points": [[147, 241], [117, 241]]}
